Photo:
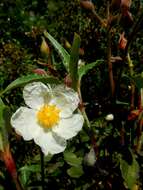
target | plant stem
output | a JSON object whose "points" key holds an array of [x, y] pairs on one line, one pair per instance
{"points": [[17, 183], [139, 133], [132, 85], [82, 109], [112, 84], [11, 166], [42, 170], [85, 117]]}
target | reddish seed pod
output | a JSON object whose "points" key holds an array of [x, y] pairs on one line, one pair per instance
{"points": [[44, 47], [122, 41], [40, 71]]}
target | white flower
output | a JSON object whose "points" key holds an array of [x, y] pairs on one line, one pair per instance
{"points": [[48, 117], [109, 117]]}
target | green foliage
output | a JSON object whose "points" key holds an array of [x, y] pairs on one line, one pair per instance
{"points": [[75, 162], [19, 82], [75, 172], [85, 68], [130, 172], [62, 52], [26, 171], [72, 159]]}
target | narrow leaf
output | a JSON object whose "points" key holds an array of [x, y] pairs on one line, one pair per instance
{"points": [[62, 52], [73, 64], [85, 68], [29, 78]]}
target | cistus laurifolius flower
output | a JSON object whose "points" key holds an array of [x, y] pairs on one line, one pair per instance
{"points": [[48, 118]]}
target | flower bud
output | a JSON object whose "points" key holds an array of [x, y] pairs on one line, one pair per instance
{"points": [[44, 47], [90, 158], [87, 5], [40, 71], [109, 117], [81, 51], [122, 41], [67, 44]]}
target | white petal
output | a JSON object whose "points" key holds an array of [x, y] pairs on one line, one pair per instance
{"points": [[66, 99], [50, 143], [24, 122], [36, 94], [69, 127]]}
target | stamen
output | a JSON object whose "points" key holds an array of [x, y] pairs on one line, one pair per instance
{"points": [[48, 116]]}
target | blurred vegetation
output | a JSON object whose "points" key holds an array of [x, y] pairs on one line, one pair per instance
{"points": [[22, 24]]}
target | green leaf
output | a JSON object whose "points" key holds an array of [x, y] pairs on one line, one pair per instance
{"points": [[24, 176], [62, 52], [73, 64], [72, 159], [129, 172], [85, 68], [26, 170], [31, 168], [29, 78], [75, 172]]}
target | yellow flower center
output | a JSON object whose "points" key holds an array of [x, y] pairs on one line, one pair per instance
{"points": [[48, 116]]}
